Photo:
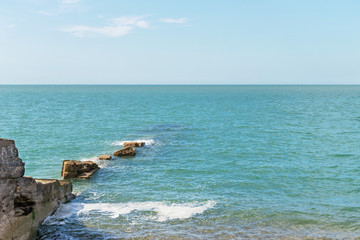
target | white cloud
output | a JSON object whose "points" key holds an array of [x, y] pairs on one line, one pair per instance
{"points": [[119, 27], [173, 20], [64, 6], [69, 5], [11, 26]]}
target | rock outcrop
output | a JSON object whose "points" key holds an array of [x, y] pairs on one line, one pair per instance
{"points": [[105, 157], [126, 151], [24, 201], [134, 144], [78, 169]]}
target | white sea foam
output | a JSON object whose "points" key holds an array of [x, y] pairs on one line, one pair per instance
{"points": [[147, 142], [163, 210], [89, 159], [100, 163], [64, 212]]}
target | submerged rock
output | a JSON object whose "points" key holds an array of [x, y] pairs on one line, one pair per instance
{"points": [[126, 151], [24, 201], [134, 144], [105, 157], [78, 169]]}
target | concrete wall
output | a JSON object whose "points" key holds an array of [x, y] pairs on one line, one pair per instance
{"points": [[24, 201]]}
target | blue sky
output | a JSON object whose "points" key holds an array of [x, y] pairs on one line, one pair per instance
{"points": [[179, 42]]}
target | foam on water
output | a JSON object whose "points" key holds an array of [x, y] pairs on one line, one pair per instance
{"points": [[64, 212], [164, 211], [100, 163], [147, 142]]}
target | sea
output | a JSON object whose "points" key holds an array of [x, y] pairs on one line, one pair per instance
{"points": [[220, 162]]}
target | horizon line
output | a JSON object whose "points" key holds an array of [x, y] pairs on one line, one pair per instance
{"points": [[149, 84]]}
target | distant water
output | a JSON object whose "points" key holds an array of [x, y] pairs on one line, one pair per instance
{"points": [[221, 162]]}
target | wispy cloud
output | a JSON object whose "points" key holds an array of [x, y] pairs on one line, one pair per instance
{"points": [[119, 27], [63, 6], [69, 5], [173, 20]]}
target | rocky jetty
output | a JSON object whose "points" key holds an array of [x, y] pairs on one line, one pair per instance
{"points": [[78, 169], [105, 157], [126, 151], [134, 144], [24, 201]]}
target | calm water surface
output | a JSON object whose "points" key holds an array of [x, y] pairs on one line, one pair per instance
{"points": [[221, 162]]}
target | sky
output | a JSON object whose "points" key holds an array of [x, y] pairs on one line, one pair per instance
{"points": [[179, 42]]}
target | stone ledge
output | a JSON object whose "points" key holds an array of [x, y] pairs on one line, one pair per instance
{"points": [[78, 169], [24, 201]]}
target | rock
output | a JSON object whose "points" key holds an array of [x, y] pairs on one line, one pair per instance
{"points": [[85, 166], [134, 144], [69, 169], [126, 151], [10, 165], [78, 169], [105, 157], [24, 201]]}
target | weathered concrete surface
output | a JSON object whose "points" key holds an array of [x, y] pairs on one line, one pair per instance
{"points": [[134, 144], [10, 165], [24, 201], [105, 157], [126, 151], [78, 169]]}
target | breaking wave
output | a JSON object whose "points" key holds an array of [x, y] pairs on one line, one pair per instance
{"points": [[100, 163], [164, 211], [147, 142]]}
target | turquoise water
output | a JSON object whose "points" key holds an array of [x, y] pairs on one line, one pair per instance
{"points": [[221, 162]]}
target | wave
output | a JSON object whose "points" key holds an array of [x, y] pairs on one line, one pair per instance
{"points": [[62, 214], [163, 210], [147, 142], [100, 163]]}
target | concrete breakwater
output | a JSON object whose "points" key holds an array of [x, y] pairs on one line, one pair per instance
{"points": [[24, 201], [85, 169]]}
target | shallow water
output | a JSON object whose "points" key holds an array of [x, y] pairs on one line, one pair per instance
{"points": [[221, 162]]}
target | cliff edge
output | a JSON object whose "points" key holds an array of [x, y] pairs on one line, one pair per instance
{"points": [[24, 201]]}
